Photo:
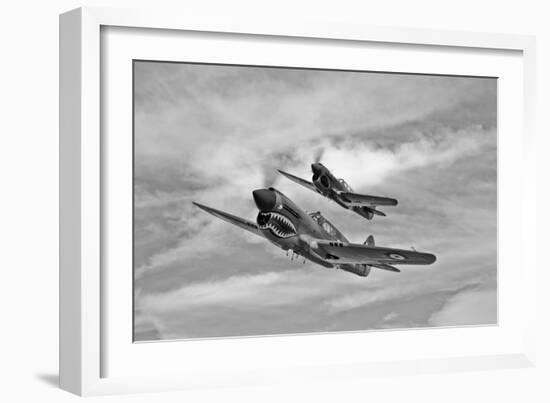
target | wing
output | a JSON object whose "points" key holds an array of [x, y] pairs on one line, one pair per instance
{"points": [[339, 252], [299, 181], [238, 221], [356, 199]]}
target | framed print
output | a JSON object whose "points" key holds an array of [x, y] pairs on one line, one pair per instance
{"points": [[230, 133], [249, 202]]}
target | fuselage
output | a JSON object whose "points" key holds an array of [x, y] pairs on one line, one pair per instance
{"points": [[286, 225], [330, 186]]}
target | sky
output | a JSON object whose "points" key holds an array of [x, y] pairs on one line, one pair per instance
{"points": [[214, 133]]}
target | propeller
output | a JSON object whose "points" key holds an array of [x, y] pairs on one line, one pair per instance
{"points": [[269, 174], [319, 154]]}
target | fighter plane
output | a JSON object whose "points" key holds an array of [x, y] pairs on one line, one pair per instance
{"points": [[313, 237], [340, 192]]}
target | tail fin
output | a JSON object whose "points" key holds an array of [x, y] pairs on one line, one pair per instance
{"points": [[369, 241]]}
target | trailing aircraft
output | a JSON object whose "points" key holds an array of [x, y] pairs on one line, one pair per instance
{"points": [[337, 190]]}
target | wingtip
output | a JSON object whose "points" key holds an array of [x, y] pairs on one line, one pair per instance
{"points": [[430, 258], [207, 209], [201, 206]]}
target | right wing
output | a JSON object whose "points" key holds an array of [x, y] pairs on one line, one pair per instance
{"points": [[356, 199], [238, 221], [384, 258], [299, 181]]}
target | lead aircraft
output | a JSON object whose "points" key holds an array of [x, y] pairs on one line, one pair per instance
{"points": [[337, 190], [313, 237]]}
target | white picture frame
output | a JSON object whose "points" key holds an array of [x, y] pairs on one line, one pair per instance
{"points": [[86, 346]]}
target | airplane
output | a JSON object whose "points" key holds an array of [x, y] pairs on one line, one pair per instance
{"points": [[340, 192], [313, 237]]}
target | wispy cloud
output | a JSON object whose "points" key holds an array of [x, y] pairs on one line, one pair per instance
{"points": [[240, 291], [390, 316], [471, 307]]}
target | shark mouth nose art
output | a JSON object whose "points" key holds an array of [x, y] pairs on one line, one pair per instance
{"points": [[278, 224]]}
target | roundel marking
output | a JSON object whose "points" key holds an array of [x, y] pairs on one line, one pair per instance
{"points": [[396, 256]]}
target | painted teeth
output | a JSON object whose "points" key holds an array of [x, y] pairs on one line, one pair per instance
{"points": [[277, 224]]}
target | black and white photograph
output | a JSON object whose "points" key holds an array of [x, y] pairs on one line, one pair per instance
{"points": [[279, 200]]}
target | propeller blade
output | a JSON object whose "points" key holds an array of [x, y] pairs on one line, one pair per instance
{"points": [[319, 154]]}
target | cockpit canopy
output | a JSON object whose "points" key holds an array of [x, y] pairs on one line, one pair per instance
{"points": [[346, 186], [327, 226]]}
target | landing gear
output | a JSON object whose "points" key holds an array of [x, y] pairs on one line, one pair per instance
{"points": [[295, 255]]}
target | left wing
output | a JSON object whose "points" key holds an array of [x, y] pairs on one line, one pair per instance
{"points": [[340, 252], [299, 181], [238, 221], [356, 199]]}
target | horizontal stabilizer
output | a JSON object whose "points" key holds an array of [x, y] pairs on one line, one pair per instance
{"points": [[386, 267], [377, 212]]}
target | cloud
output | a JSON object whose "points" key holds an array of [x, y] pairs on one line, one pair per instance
{"points": [[472, 307], [234, 290], [250, 290], [145, 327], [455, 275], [253, 303], [390, 316], [364, 164], [373, 295]]}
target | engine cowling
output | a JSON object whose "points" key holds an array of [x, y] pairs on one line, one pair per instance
{"points": [[322, 181]]}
